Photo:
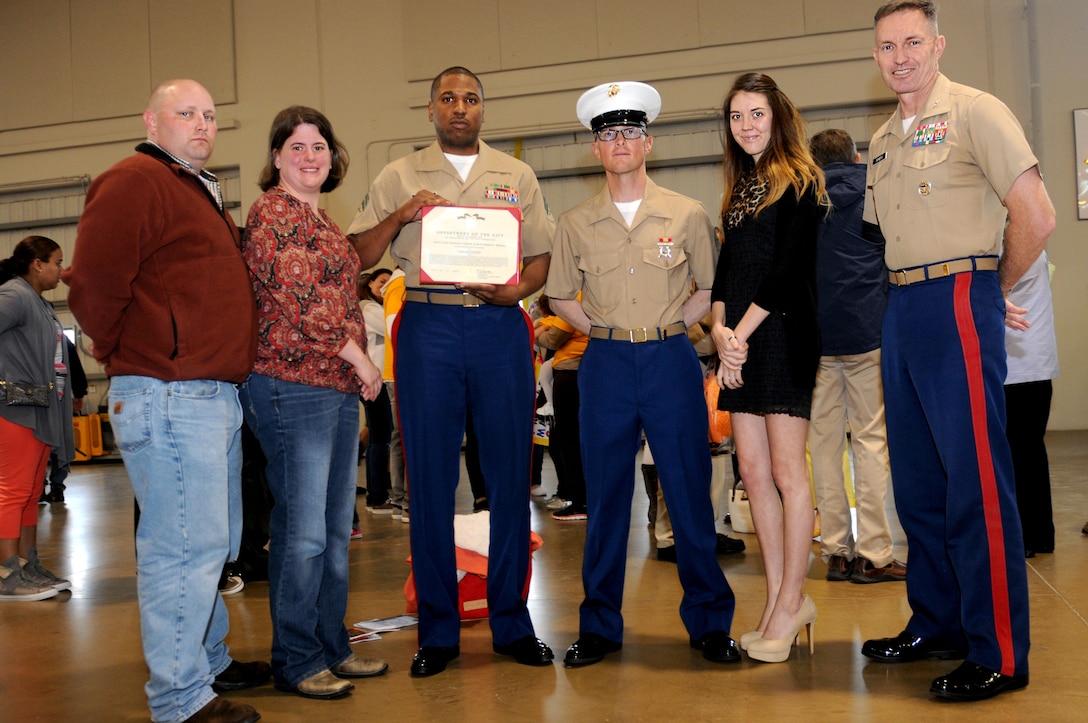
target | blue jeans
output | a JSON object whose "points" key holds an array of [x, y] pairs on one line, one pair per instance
{"points": [[181, 444], [310, 436]]}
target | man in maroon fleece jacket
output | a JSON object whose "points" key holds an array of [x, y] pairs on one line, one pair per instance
{"points": [[158, 282]]}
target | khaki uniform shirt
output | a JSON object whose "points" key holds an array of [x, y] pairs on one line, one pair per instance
{"points": [[496, 179], [937, 190], [638, 276]]}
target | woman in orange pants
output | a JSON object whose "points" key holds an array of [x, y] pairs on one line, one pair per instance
{"points": [[35, 411]]}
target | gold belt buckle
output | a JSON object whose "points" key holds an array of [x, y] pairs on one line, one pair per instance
{"points": [[638, 335], [470, 300], [900, 278]]}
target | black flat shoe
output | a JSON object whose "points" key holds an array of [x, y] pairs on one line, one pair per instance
{"points": [[717, 647], [971, 681], [907, 648], [527, 651], [727, 545], [589, 649], [432, 660], [667, 554]]}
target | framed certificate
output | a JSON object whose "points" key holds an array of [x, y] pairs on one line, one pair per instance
{"points": [[477, 245], [1080, 132]]}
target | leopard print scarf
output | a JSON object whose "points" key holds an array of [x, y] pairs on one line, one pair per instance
{"points": [[748, 193]]}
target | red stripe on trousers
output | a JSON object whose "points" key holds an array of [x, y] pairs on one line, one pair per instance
{"points": [[999, 589]]}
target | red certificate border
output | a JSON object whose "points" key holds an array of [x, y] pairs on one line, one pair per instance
{"points": [[425, 278]]}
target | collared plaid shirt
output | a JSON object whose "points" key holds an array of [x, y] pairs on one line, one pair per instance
{"points": [[206, 177]]}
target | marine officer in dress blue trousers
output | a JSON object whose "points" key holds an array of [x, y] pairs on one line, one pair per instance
{"points": [[956, 194]]}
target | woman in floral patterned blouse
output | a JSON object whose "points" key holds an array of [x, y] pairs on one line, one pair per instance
{"points": [[302, 401]]}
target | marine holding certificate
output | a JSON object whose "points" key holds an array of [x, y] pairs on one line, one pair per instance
{"points": [[459, 245], [459, 343]]}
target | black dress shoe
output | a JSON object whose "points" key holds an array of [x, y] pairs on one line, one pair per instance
{"points": [[717, 647], [728, 545], [527, 651], [589, 649], [971, 681], [667, 554], [907, 648], [240, 675], [433, 660]]}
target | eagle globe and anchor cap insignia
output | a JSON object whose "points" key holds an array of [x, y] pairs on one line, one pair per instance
{"points": [[620, 103]]}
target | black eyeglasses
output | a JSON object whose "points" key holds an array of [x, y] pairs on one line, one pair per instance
{"points": [[610, 134]]}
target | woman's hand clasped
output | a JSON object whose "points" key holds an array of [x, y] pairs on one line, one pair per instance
{"points": [[729, 378], [733, 353], [371, 379]]}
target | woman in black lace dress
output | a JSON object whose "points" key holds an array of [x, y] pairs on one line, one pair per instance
{"points": [[764, 311]]}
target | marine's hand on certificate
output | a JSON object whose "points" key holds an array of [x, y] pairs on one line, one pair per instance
{"points": [[410, 211]]}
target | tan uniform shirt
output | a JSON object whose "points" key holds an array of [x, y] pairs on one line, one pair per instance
{"points": [[639, 276], [496, 179], [937, 190]]}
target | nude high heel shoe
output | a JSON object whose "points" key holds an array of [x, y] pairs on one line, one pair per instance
{"points": [[749, 638], [778, 651]]}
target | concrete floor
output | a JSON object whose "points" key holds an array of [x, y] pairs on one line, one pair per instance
{"points": [[77, 657]]}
